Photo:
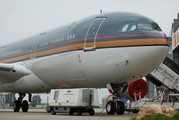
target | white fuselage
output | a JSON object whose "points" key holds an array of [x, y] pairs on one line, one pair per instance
{"points": [[94, 69]]}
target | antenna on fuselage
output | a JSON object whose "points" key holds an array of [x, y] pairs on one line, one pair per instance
{"points": [[101, 11]]}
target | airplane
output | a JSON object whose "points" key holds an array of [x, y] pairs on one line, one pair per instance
{"points": [[113, 50]]}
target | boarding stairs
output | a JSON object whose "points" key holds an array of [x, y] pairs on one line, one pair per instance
{"points": [[166, 79], [166, 74]]}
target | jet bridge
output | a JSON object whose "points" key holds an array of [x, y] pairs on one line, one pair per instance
{"points": [[166, 75]]}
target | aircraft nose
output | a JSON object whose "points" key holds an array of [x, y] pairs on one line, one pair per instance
{"points": [[157, 48], [151, 57], [156, 54]]}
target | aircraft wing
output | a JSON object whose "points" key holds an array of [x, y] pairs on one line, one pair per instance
{"points": [[12, 72]]}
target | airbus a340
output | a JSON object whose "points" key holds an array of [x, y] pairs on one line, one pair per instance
{"points": [[109, 49]]}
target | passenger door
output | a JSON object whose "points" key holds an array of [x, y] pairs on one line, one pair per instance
{"points": [[90, 39]]}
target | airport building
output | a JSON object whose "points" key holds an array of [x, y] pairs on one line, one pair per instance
{"points": [[175, 40]]}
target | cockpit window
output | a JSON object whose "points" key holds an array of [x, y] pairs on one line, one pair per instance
{"points": [[128, 27], [156, 27], [144, 26], [124, 28], [132, 27]]}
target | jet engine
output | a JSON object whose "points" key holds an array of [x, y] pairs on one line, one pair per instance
{"points": [[137, 87], [129, 91]]}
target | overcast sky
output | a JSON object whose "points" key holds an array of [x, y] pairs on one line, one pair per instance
{"points": [[22, 18]]}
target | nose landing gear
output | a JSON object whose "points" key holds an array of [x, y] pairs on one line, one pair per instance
{"points": [[115, 106], [110, 108]]}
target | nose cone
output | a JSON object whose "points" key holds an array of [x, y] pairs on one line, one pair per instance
{"points": [[153, 57], [148, 57], [156, 54]]}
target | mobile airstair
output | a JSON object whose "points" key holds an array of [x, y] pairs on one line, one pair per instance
{"points": [[166, 75], [166, 79]]}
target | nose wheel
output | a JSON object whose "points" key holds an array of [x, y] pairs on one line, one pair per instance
{"points": [[120, 108], [110, 108], [117, 106]]}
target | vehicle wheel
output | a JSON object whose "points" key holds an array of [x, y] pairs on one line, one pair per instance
{"points": [[25, 106], [71, 111], [120, 108], [53, 112], [110, 108], [91, 111], [48, 109], [16, 106], [79, 112]]}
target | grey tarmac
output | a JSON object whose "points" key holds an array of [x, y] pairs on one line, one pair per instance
{"points": [[41, 114]]}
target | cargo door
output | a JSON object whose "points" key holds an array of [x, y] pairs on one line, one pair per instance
{"points": [[90, 39]]}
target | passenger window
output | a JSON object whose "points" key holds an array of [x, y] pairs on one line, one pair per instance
{"points": [[124, 28], [156, 27], [143, 26]]}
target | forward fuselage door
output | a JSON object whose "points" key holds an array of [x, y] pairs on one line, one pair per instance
{"points": [[90, 39], [34, 46]]}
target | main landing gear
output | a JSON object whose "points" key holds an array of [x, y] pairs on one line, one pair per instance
{"points": [[19, 103]]}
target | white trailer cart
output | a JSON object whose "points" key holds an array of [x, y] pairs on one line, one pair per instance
{"points": [[73, 101]]}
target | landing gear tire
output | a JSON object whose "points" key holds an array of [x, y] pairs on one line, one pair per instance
{"points": [[120, 108], [79, 112], [91, 111], [16, 106], [110, 108], [53, 112], [25, 106]]}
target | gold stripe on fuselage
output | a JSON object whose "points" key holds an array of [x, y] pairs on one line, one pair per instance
{"points": [[103, 44]]}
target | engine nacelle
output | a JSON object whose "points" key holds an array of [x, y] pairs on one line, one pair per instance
{"points": [[138, 86], [127, 91]]}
